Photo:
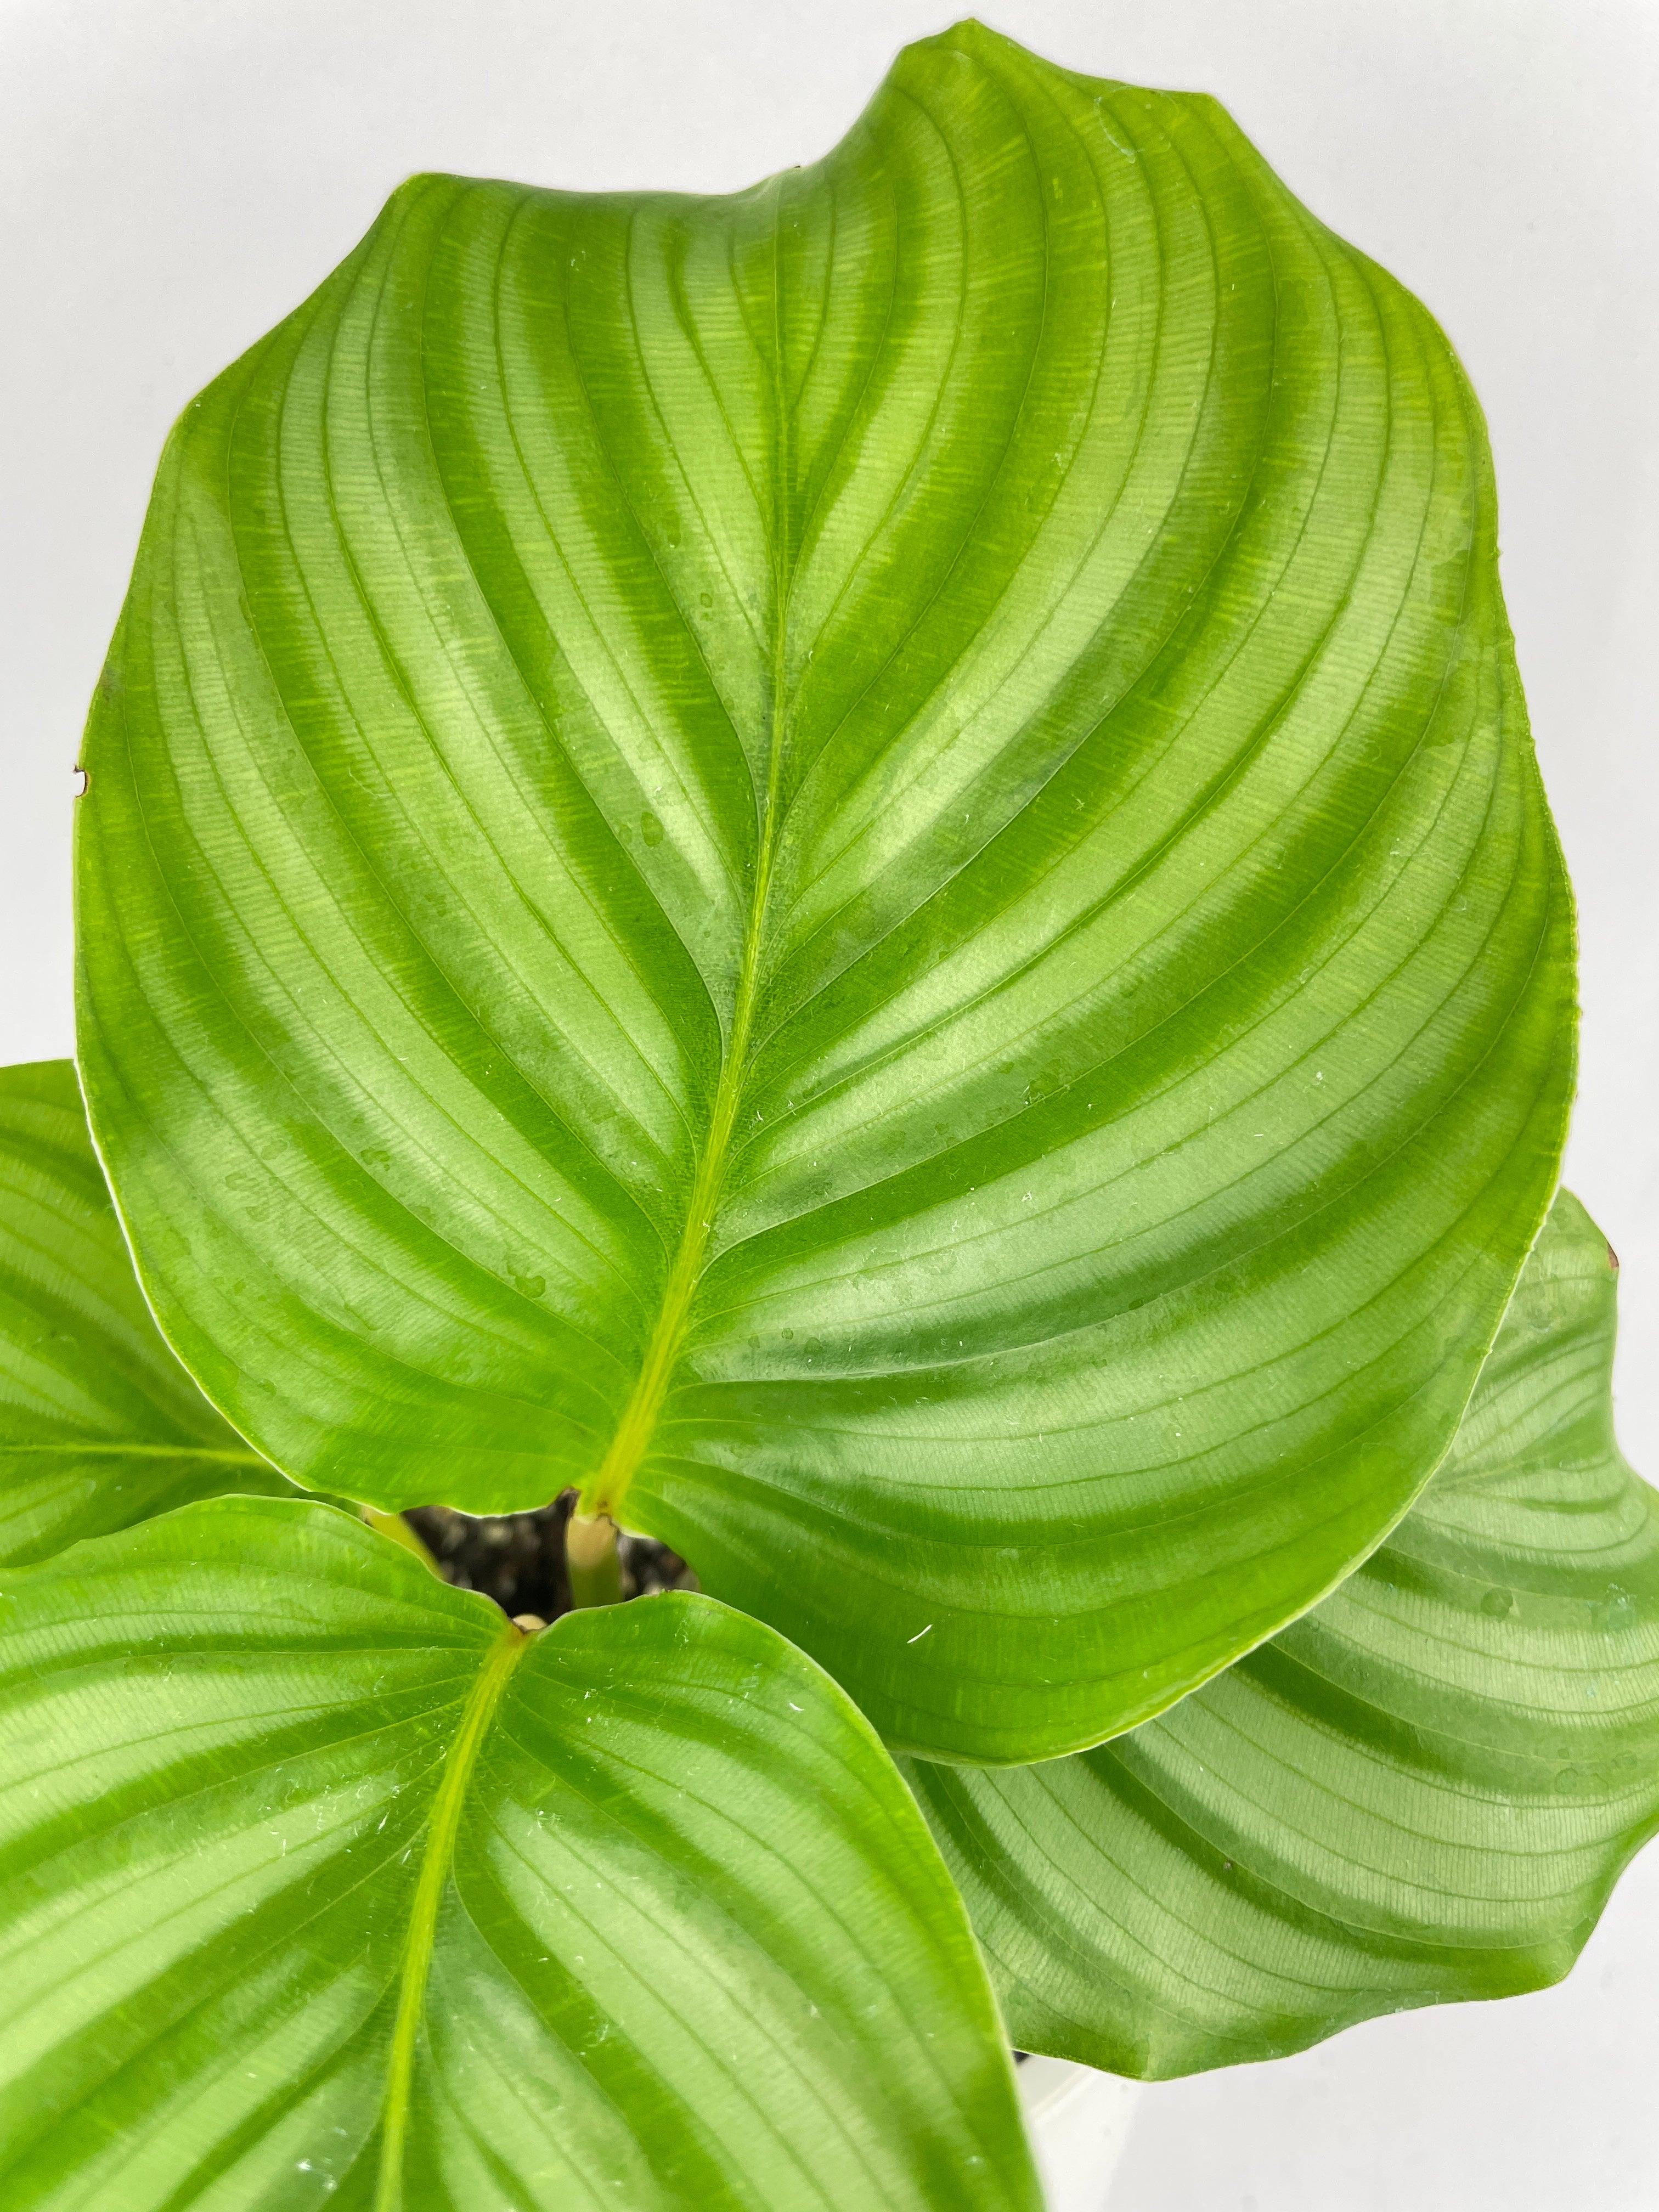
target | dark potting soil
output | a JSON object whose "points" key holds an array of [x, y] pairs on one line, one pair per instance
{"points": [[518, 1559]]}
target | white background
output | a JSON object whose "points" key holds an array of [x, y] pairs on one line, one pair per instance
{"points": [[175, 174]]}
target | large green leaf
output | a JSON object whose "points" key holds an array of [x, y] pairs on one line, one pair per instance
{"points": [[858, 865], [322, 1883], [99, 1424], [1422, 1791]]}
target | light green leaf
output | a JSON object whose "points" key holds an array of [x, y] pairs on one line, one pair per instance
{"points": [[858, 865], [100, 1425], [323, 1884], [1422, 1791]]}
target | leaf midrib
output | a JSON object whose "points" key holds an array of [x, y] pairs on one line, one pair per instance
{"points": [[604, 1492], [437, 1858], [104, 1448]]}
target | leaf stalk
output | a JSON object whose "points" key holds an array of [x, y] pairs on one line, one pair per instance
{"points": [[591, 1559]]}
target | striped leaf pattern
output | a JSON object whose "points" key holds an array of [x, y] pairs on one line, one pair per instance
{"points": [[99, 1424], [1425, 1790], [858, 865], [323, 1884]]}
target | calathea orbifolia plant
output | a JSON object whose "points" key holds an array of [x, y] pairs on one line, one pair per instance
{"points": [[857, 869]]}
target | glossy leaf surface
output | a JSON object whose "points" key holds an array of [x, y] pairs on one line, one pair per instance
{"points": [[1423, 1791], [858, 865], [322, 1885], [100, 1425]]}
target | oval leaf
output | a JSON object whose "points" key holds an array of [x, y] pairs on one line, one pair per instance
{"points": [[321, 1884], [858, 864], [1424, 1791], [100, 1425]]}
